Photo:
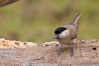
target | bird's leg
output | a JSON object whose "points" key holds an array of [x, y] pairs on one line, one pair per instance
{"points": [[59, 49], [73, 50]]}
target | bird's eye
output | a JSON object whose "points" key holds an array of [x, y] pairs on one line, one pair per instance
{"points": [[59, 30]]}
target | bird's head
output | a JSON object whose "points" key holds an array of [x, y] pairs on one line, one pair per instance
{"points": [[61, 32]]}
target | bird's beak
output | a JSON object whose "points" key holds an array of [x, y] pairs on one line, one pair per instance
{"points": [[55, 36]]}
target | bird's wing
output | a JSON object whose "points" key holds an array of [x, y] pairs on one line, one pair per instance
{"points": [[73, 31]]}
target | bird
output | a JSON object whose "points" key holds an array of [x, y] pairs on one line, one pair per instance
{"points": [[67, 34]]}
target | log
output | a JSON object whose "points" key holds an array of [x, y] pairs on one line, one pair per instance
{"points": [[32, 54]]}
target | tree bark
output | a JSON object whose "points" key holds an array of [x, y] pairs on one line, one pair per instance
{"points": [[6, 2], [86, 54]]}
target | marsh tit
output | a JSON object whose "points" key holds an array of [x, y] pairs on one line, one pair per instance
{"points": [[67, 34]]}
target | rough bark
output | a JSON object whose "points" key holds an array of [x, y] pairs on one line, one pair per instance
{"points": [[6, 2], [86, 54]]}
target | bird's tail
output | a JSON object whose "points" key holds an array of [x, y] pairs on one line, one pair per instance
{"points": [[75, 19]]}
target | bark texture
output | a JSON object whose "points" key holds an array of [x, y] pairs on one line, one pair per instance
{"points": [[6, 2], [86, 54]]}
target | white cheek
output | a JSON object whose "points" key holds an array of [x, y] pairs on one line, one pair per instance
{"points": [[64, 33]]}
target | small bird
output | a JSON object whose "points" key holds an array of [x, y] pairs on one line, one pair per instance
{"points": [[67, 34]]}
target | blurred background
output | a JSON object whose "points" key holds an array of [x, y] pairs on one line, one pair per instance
{"points": [[36, 20]]}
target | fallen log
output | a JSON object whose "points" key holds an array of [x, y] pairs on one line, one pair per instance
{"points": [[86, 54]]}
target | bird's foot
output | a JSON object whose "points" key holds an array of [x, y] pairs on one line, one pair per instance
{"points": [[72, 50], [58, 51]]}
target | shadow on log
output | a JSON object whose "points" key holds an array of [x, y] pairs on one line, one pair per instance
{"points": [[86, 54]]}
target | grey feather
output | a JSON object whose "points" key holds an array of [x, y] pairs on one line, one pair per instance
{"points": [[75, 19]]}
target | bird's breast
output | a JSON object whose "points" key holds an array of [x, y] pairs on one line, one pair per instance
{"points": [[66, 41]]}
